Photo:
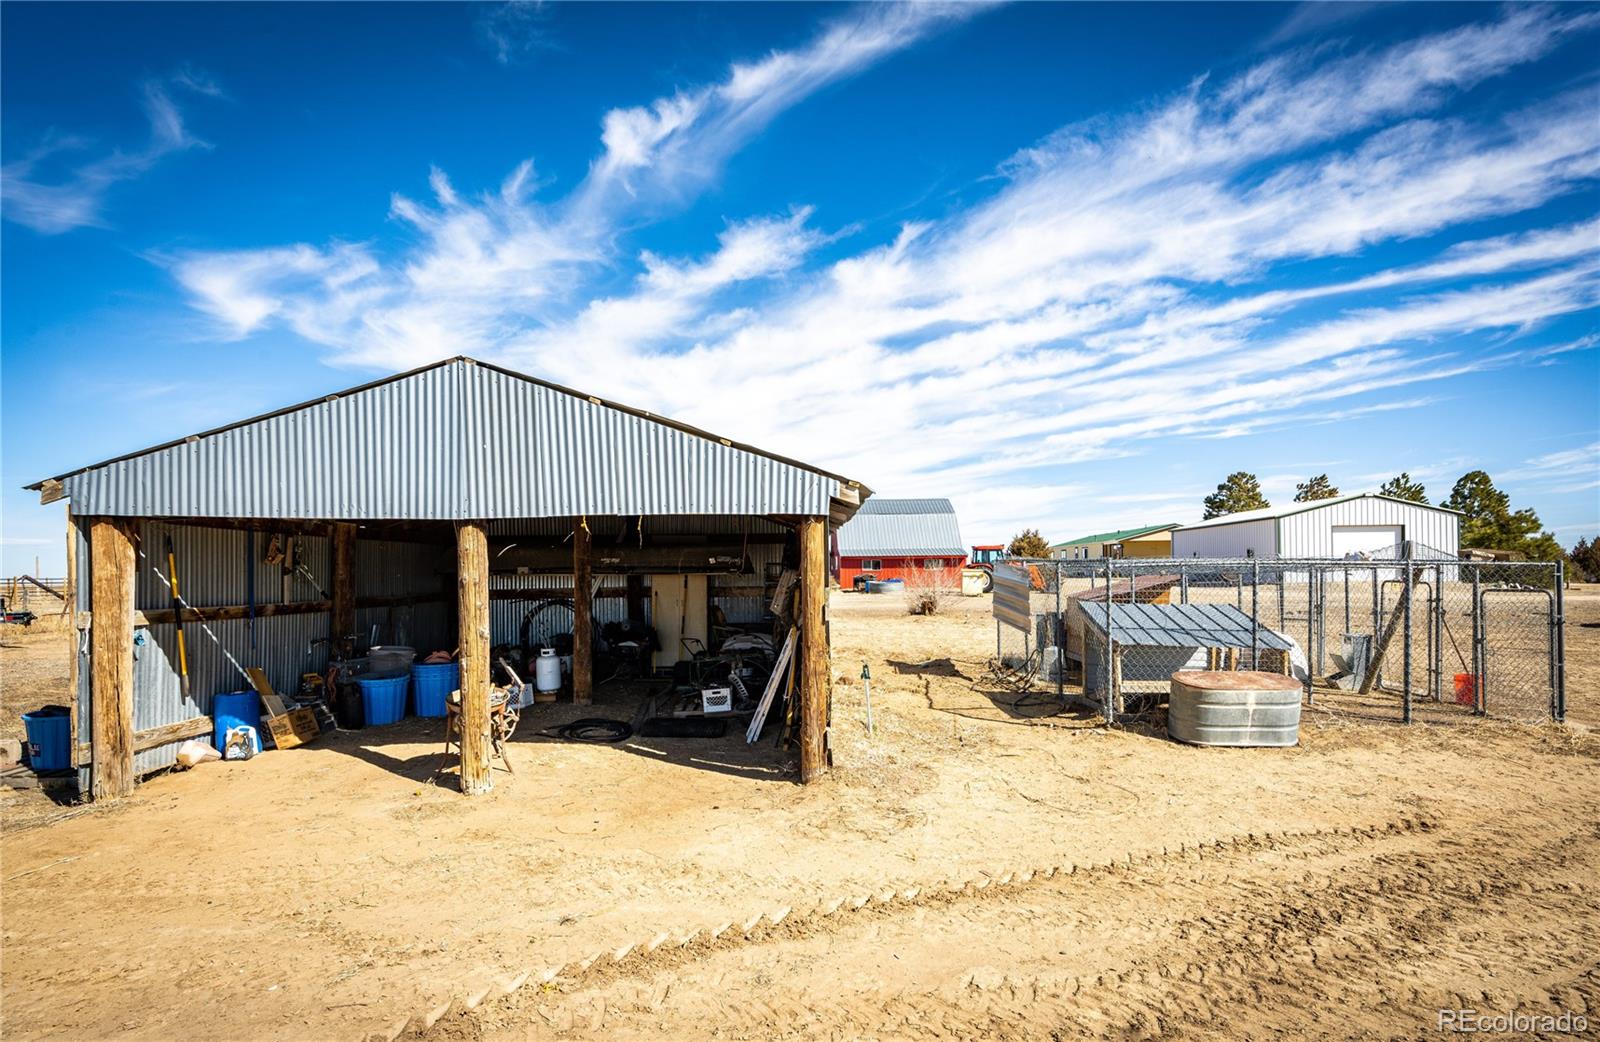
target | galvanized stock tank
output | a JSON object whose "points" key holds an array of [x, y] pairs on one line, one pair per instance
{"points": [[1245, 708]]}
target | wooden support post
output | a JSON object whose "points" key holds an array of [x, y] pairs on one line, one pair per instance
{"points": [[472, 564], [813, 648], [1116, 679], [69, 606], [344, 581], [111, 647], [582, 614]]}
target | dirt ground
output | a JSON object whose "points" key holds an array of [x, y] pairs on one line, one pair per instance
{"points": [[33, 668], [1018, 875]]}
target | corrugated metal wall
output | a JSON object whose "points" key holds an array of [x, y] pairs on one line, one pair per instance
{"points": [[214, 568], [458, 441], [407, 569], [1227, 541], [1310, 533]]}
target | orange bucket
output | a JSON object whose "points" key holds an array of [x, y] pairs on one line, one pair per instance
{"points": [[1466, 689]]}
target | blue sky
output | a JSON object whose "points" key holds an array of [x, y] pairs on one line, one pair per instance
{"points": [[1069, 265]]}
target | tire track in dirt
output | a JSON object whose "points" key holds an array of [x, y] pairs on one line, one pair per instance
{"points": [[1338, 935], [1183, 943]]}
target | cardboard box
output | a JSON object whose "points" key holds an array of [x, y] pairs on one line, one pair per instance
{"points": [[296, 727]]}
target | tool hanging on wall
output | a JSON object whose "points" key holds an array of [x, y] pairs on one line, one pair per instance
{"points": [[192, 610], [177, 613], [287, 555]]}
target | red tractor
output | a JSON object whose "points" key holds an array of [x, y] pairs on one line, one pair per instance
{"points": [[987, 556]]}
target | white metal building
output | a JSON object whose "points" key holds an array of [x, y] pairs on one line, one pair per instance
{"points": [[1365, 524]]}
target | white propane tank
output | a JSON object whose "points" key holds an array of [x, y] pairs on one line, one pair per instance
{"points": [[547, 670]]}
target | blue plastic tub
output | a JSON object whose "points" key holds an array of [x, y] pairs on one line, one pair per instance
{"points": [[383, 699], [234, 709], [49, 738], [431, 686]]}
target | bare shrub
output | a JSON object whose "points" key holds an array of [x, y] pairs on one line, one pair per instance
{"points": [[928, 592]]}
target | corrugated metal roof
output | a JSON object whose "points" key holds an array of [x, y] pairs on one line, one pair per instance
{"points": [[1182, 626], [880, 505], [902, 528], [455, 440], [1272, 513], [1113, 537]]}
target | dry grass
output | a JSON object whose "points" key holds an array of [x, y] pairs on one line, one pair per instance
{"points": [[928, 594]]}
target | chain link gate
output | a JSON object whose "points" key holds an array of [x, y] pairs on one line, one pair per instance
{"points": [[1420, 634]]}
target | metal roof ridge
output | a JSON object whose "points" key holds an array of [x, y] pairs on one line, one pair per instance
{"points": [[461, 360], [1121, 533]]}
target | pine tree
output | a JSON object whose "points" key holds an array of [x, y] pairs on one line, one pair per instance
{"points": [[1490, 523], [1241, 491], [1318, 487], [1585, 558], [1028, 543], [1402, 487]]}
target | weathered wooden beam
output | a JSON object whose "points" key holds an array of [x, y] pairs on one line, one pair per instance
{"points": [[472, 582], [582, 614], [813, 649], [155, 737], [228, 612], [111, 648], [69, 592], [275, 526], [343, 621]]}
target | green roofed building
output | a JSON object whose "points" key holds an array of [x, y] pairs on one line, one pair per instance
{"points": [[1150, 541]]}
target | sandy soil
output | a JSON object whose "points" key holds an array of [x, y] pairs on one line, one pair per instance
{"points": [[1348, 888], [33, 667]]}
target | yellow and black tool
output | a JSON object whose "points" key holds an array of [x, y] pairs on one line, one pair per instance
{"points": [[177, 614]]}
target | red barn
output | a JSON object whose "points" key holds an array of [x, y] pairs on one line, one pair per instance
{"points": [[908, 539]]}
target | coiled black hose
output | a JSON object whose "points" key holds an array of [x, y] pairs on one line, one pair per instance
{"points": [[591, 729]]}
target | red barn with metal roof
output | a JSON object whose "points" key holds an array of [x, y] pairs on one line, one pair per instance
{"points": [[910, 539]]}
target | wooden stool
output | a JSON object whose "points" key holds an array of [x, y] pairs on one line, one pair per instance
{"points": [[502, 721]]}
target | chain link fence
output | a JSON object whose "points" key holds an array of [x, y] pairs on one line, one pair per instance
{"points": [[1417, 635]]}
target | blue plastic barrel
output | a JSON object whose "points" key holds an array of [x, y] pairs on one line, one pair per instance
{"points": [[49, 738], [383, 699], [234, 709], [431, 686]]}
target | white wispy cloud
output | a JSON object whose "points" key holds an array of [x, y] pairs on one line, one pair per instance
{"points": [[515, 29], [1121, 285], [1575, 469], [500, 264], [61, 184]]}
